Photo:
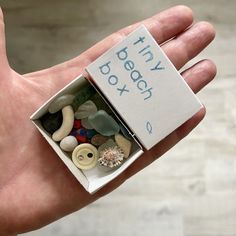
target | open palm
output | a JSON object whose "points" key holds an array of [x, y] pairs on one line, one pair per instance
{"points": [[36, 188]]}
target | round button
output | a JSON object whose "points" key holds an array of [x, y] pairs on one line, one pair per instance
{"points": [[85, 156]]}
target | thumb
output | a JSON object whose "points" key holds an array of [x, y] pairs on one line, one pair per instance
{"points": [[4, 65]]}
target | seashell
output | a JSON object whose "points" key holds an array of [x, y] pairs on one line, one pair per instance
{"points": [[111, 157]]}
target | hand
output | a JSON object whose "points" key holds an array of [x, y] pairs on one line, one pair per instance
{"points": [[36, 188]]}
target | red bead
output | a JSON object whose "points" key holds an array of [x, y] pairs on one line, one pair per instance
{"points": [[77, 124], [81, 139]]}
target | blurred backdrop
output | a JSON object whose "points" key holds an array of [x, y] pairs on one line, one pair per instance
{"points": [[191, 190]]}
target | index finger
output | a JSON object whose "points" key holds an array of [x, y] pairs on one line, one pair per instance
{"points": [[163, 26]]}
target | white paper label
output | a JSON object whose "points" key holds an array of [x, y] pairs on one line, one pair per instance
{"points": [[144, 87]]}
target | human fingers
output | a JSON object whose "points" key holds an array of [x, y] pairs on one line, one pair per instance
{"points": [[200, 74], [190, 43], [166, 24], [162, 26]]}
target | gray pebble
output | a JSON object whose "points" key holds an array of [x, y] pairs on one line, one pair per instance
{"points": [[60, 102]]}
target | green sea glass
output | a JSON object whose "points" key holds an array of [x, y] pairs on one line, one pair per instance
{"points": [[103, 123]]}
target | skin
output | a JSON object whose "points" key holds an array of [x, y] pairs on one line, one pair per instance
{"points": [[33, 180]]}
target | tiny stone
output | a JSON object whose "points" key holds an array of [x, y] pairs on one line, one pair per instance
{"points": [[109, 143], [104, 123], [124, 144], [68, 143], [86, 124], [85, 110], [98, 139], [60, 102], [51, 122]]}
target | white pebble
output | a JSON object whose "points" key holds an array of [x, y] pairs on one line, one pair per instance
{"points": [[68, 143]]}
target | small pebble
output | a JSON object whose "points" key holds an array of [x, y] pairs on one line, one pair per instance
{"points": [[104, 123], [85, 110], [77, 124], [86, 124], [124, 144], [85, 156], [52, 122], [61, 102], [98, 139], [68, 143], [109, 143]]}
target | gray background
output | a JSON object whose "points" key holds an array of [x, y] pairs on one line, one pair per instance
{"points": [[192, 189]]}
